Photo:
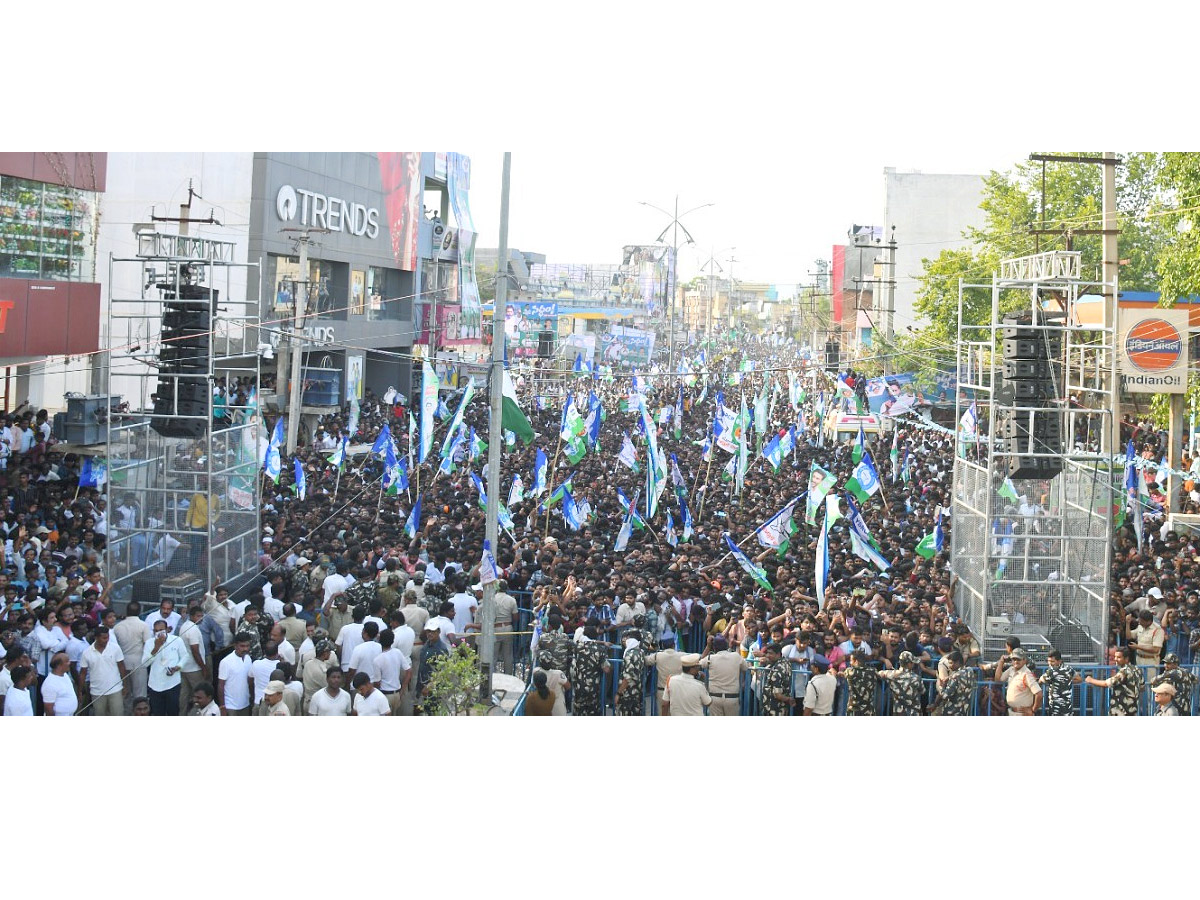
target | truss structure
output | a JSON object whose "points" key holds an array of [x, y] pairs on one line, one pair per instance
{"points": [[183, 509], [1038, 566]]}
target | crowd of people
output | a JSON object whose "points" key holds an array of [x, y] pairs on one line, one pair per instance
{"points": [[352, 615]]}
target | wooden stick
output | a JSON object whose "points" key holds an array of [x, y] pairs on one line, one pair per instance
{"points": [[550, 482], [707, 472]]}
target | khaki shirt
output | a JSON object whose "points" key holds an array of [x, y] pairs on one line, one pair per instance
{"points": [[687, 696], [667, 663], [506, 609], [1022, 687], [1152, 635], [725, 671], [415, 618]]}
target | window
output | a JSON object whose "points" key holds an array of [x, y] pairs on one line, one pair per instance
{"points": [[46, 231]]}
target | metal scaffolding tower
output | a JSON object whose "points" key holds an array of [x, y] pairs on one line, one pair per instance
{"points": [[189, 478], [1038, 566]]}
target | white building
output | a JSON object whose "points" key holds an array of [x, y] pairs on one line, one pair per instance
{"points": [[929, 214]]}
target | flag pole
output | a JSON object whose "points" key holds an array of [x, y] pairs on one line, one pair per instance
{"points": [[550, 480]]}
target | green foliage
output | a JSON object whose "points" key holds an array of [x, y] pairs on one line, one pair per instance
{"points": [[453, 687], [485, 275]]}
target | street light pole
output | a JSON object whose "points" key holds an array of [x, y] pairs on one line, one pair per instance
{"points": [[674, 225]]}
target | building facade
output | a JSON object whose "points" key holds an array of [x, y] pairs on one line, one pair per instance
{"points": [[930, 213], [49, 294]]}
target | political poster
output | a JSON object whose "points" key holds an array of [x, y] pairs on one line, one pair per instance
{"points": [[626, 347], [524, 323]]}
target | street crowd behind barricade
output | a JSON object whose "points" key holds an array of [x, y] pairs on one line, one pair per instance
{"points": [[352, 615]]}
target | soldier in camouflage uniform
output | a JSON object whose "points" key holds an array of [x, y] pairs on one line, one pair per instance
{"points": [[587, 675], [554, 649], [905, 685], [1058, 680], [862, 683], [362, 592], [1126, 684], [631, 700], [298, 581], [777, 697], [1183, 680], [256, 626], [955, 699]]}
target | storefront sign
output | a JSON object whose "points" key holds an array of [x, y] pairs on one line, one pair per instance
{"points": [[1153, 351], [316, 210]]}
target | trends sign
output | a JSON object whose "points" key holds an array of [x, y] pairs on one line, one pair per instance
{"points": [[1153, 351], [319, 211]]}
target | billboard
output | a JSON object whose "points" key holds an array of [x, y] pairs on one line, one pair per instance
{"points": [[626, 346], [1152, 347], [458, 173], [524, 323], [401, 176]]}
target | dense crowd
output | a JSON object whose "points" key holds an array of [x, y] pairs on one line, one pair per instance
{"points": [[351, 615]]}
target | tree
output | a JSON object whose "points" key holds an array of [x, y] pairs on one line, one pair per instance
{"points": [[454, 685], [485, 276]]}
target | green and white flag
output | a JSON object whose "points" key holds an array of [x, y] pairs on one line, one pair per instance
{"points": [[511, 417], [452, 429], [777, 531], [1008, 491]]}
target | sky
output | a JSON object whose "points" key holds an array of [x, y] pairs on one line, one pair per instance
{"points": [[778, 211]]}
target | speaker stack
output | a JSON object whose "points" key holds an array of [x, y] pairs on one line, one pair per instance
{"points": [[1032, 378], [183, 388]]}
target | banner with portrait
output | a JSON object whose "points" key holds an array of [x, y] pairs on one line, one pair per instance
{"points": [[458, 177], [401, 177]]}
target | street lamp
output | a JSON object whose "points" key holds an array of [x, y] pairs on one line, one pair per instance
{"points": [[674, 226]]}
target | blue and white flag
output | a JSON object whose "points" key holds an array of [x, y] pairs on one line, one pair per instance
{"points": [[865, 480], [539, 473], [969, 423], [341, 454], [352, 422], [413, 525], [861, 542], [488, 571], [748, 566], [772, 452], [627, 525], [777, 531], [672, 538], [516, 493], [94, 473], [571, 513], [938, 538], [381, 442], [628, 455], [301, 483], [822, 561]]}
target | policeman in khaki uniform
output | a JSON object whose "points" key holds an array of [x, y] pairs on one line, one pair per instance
{"points": [[667, 664], [685, 694], [1023, 694], [725, 668]]}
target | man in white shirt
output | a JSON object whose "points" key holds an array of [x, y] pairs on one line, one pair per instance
{"points": [[443, 624], [367, 700], [220, 609], [335, 584], [332, 700], [464, 609], [203, 703], [364, 653], [164, 613], [350, 636], [195, 662], [103, 665], [262, 669], [164, 658], [273, 592], [403, 636], [390, 671], [234, 680], [58, 693], [18, 701]]}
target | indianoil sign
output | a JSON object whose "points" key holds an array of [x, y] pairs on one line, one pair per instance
{"points": [[1153, 351]]}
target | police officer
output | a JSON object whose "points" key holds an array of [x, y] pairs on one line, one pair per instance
{"points": [[955, 699], [1058, 680], [725, 668], [1183, 681], [685, 694]]}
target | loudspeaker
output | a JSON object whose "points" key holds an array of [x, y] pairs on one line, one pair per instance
{"points": [[183, 388], [832, 355], [1023, 467], [1032, 377], [546, 344]]}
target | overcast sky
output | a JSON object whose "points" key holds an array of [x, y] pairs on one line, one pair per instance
{"points": [[780, 209]]}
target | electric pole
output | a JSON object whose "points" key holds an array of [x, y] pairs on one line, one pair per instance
{"points": [[487, 612], [297, 337], [672, 277]]}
